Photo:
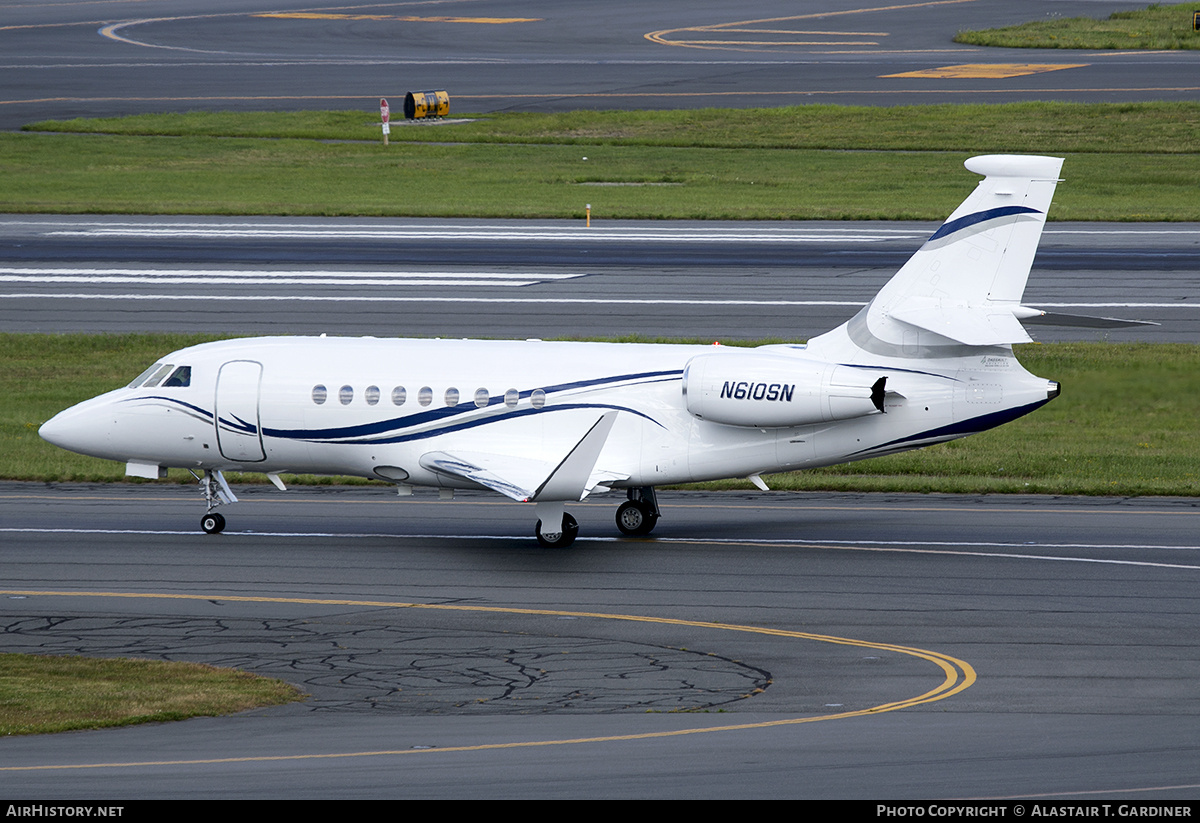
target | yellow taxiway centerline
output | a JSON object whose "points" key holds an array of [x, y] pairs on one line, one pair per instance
{"points": [[957, 674]]}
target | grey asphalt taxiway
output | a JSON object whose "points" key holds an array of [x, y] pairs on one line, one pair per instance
{"points": [[522, 279], [116, 57], [760, 645]]}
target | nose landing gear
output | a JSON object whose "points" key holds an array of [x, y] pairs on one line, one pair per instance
{"points": [[216, 493]]}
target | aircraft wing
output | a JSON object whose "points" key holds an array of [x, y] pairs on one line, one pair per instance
{"points": [[525, 479]]}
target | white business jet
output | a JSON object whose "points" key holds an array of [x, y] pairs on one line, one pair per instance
{"points": [[928, 360]]}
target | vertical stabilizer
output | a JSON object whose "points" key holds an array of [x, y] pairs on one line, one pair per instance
{"points": [[964, 286]]}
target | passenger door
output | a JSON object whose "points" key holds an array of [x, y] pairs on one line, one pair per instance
{"points": [[236, 416]]}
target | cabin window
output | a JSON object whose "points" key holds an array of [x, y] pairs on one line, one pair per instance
{"points": [[137, 381], [345, 395], [481, 398], [425, 396], [538, 398], [181, 378], [451, 397], [371, 395], [320, 394], [511, 398], [399, 395], [158, 376]]}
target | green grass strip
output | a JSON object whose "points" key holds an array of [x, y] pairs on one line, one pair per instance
{"points": [[1156, 27], [1125, 423], [1124, 162], [1031, 127], [56, 694], [76, 174]]}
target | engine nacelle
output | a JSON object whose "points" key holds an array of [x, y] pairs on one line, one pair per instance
{"points": [[770, 391]]}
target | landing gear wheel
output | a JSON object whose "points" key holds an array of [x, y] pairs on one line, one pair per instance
{"points": [[212, 523], [635, 518], [560, 539]]}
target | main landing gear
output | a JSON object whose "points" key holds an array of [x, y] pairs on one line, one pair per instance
{"points": [[216, 493], [560, 539], [638, 515]]}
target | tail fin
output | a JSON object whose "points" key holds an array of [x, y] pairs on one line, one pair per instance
{"points": [[964, 286]]}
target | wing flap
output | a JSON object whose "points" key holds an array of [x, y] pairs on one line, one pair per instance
{"points": [[514, 477]]}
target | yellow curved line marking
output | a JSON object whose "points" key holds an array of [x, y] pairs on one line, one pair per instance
{"points": [[43, 5], [110, 31], [309, 15], [806, 31], [708, 43], [959, 675], [987, 71], [663, 36]]}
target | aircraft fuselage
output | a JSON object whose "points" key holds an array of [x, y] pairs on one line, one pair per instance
{"points": [[373, 407]]}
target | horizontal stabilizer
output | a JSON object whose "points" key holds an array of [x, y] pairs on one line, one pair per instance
{"points": [[1083, 321], [969, 325]]}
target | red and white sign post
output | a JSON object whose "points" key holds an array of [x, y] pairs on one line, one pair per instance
{"points": [[385, 115]]}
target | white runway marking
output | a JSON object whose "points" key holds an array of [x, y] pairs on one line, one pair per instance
{"points": [[599, 301], [913, 547], [752, 232], [231, 231], [225, 277], [440, 299]]}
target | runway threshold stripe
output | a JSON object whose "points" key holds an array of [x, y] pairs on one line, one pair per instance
{"points": [[958, 675]]}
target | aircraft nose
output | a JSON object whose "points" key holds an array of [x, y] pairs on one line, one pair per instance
{"points": [[61, 430], [75, 429]]}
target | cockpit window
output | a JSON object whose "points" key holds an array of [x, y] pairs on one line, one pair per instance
{"points": [[157, 377], [180, 378], [137, 381]]}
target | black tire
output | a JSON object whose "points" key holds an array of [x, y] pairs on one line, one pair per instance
{"points": [[212, 523], [558, 540], [636, 519]]}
